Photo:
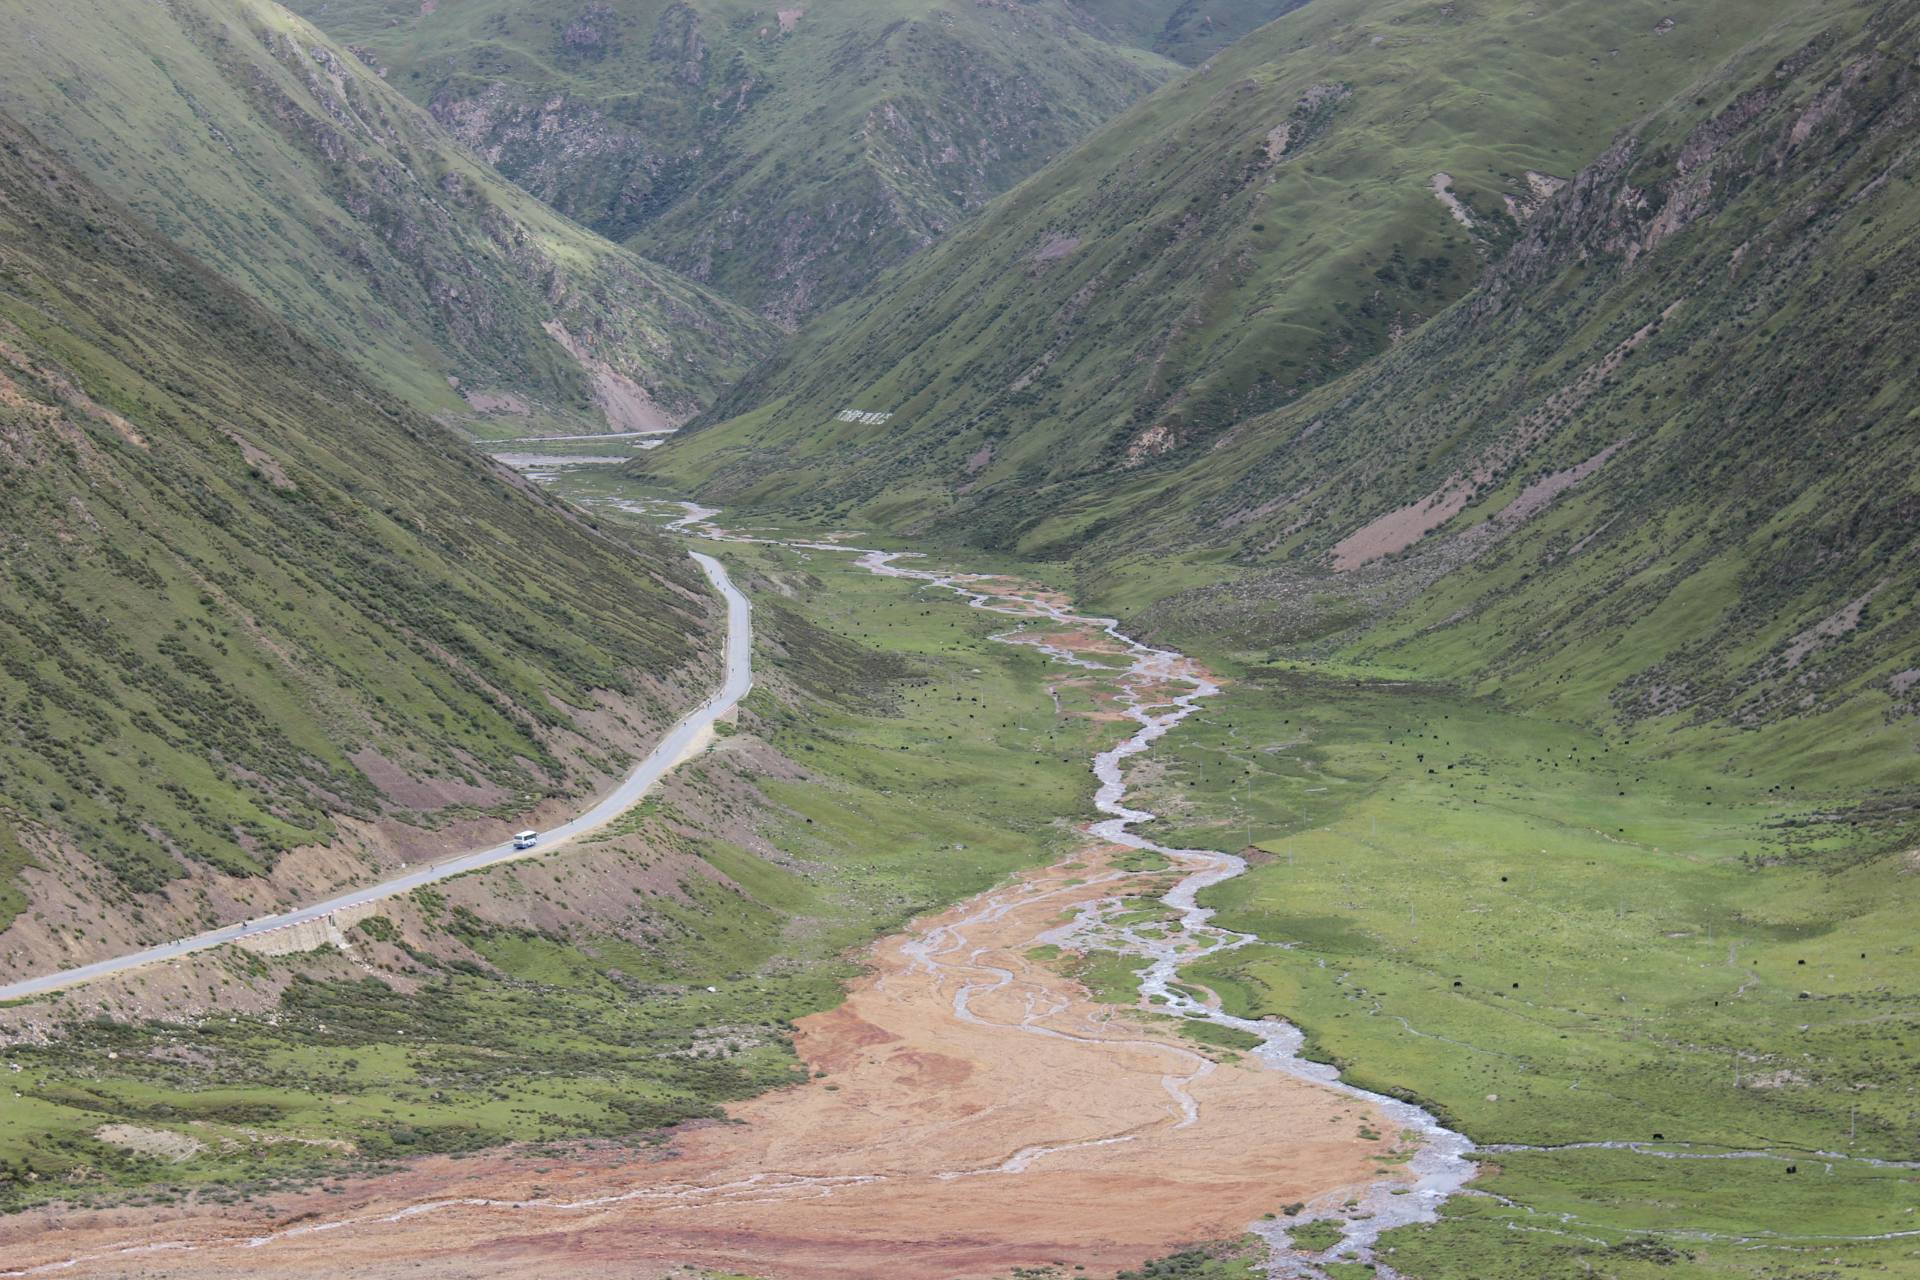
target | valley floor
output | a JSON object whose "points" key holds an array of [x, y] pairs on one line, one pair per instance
{"points": [[1671, 996], [991, 1089]]}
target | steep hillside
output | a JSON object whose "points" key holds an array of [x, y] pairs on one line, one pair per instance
{"points": [[273, 156], [1575, 668], [1658, 468], [1276, 218], [783, 154], [262, 626]]}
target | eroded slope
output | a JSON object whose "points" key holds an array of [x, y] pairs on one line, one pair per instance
{"points": [[275, 157], [1659, 466]]}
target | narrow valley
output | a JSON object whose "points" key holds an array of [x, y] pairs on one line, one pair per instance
{"points": [[960, 640]]}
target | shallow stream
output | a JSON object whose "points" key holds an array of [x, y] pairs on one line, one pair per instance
{"points": [[1439, 1167]]}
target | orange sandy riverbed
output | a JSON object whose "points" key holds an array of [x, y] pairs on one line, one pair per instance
{"points": [[921, 1153]]}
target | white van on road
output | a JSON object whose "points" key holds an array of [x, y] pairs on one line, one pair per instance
{"points": [[526, 839]]}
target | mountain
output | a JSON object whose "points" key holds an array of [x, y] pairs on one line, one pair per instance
{"points": [[1530, 468], [271, 154], [1656, 469], [263, 625], [1654, 465], [784, 155], [1276, 218]]}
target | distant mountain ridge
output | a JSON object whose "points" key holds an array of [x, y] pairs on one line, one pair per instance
{"points": [[1274, 219], [784, 154]]}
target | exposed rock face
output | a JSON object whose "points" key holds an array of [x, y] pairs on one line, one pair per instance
{"points": [[586, 35], [1640, 193], [677, 42], [566, 151], [786, 161]]}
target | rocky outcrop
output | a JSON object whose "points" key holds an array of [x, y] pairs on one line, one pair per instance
{"points": [[678, 44]]}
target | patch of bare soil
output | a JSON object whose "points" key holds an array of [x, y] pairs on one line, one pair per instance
{"points": [[627, 405], [1397, 530], [162, 1144], [1054, 247], [1081, 640], [409, 786], [1402, 528], [1832, 627], [1441, 184], [1013, 591]]}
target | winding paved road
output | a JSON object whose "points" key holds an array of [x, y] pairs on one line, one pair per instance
{"points": [[685, 736]]}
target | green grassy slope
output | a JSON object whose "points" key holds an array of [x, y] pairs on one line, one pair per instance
{"points": [[1240, 237], [1678, 424], [1188, 31], [1570, 656], [274, 156], [232, 565], [783, 154]]}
